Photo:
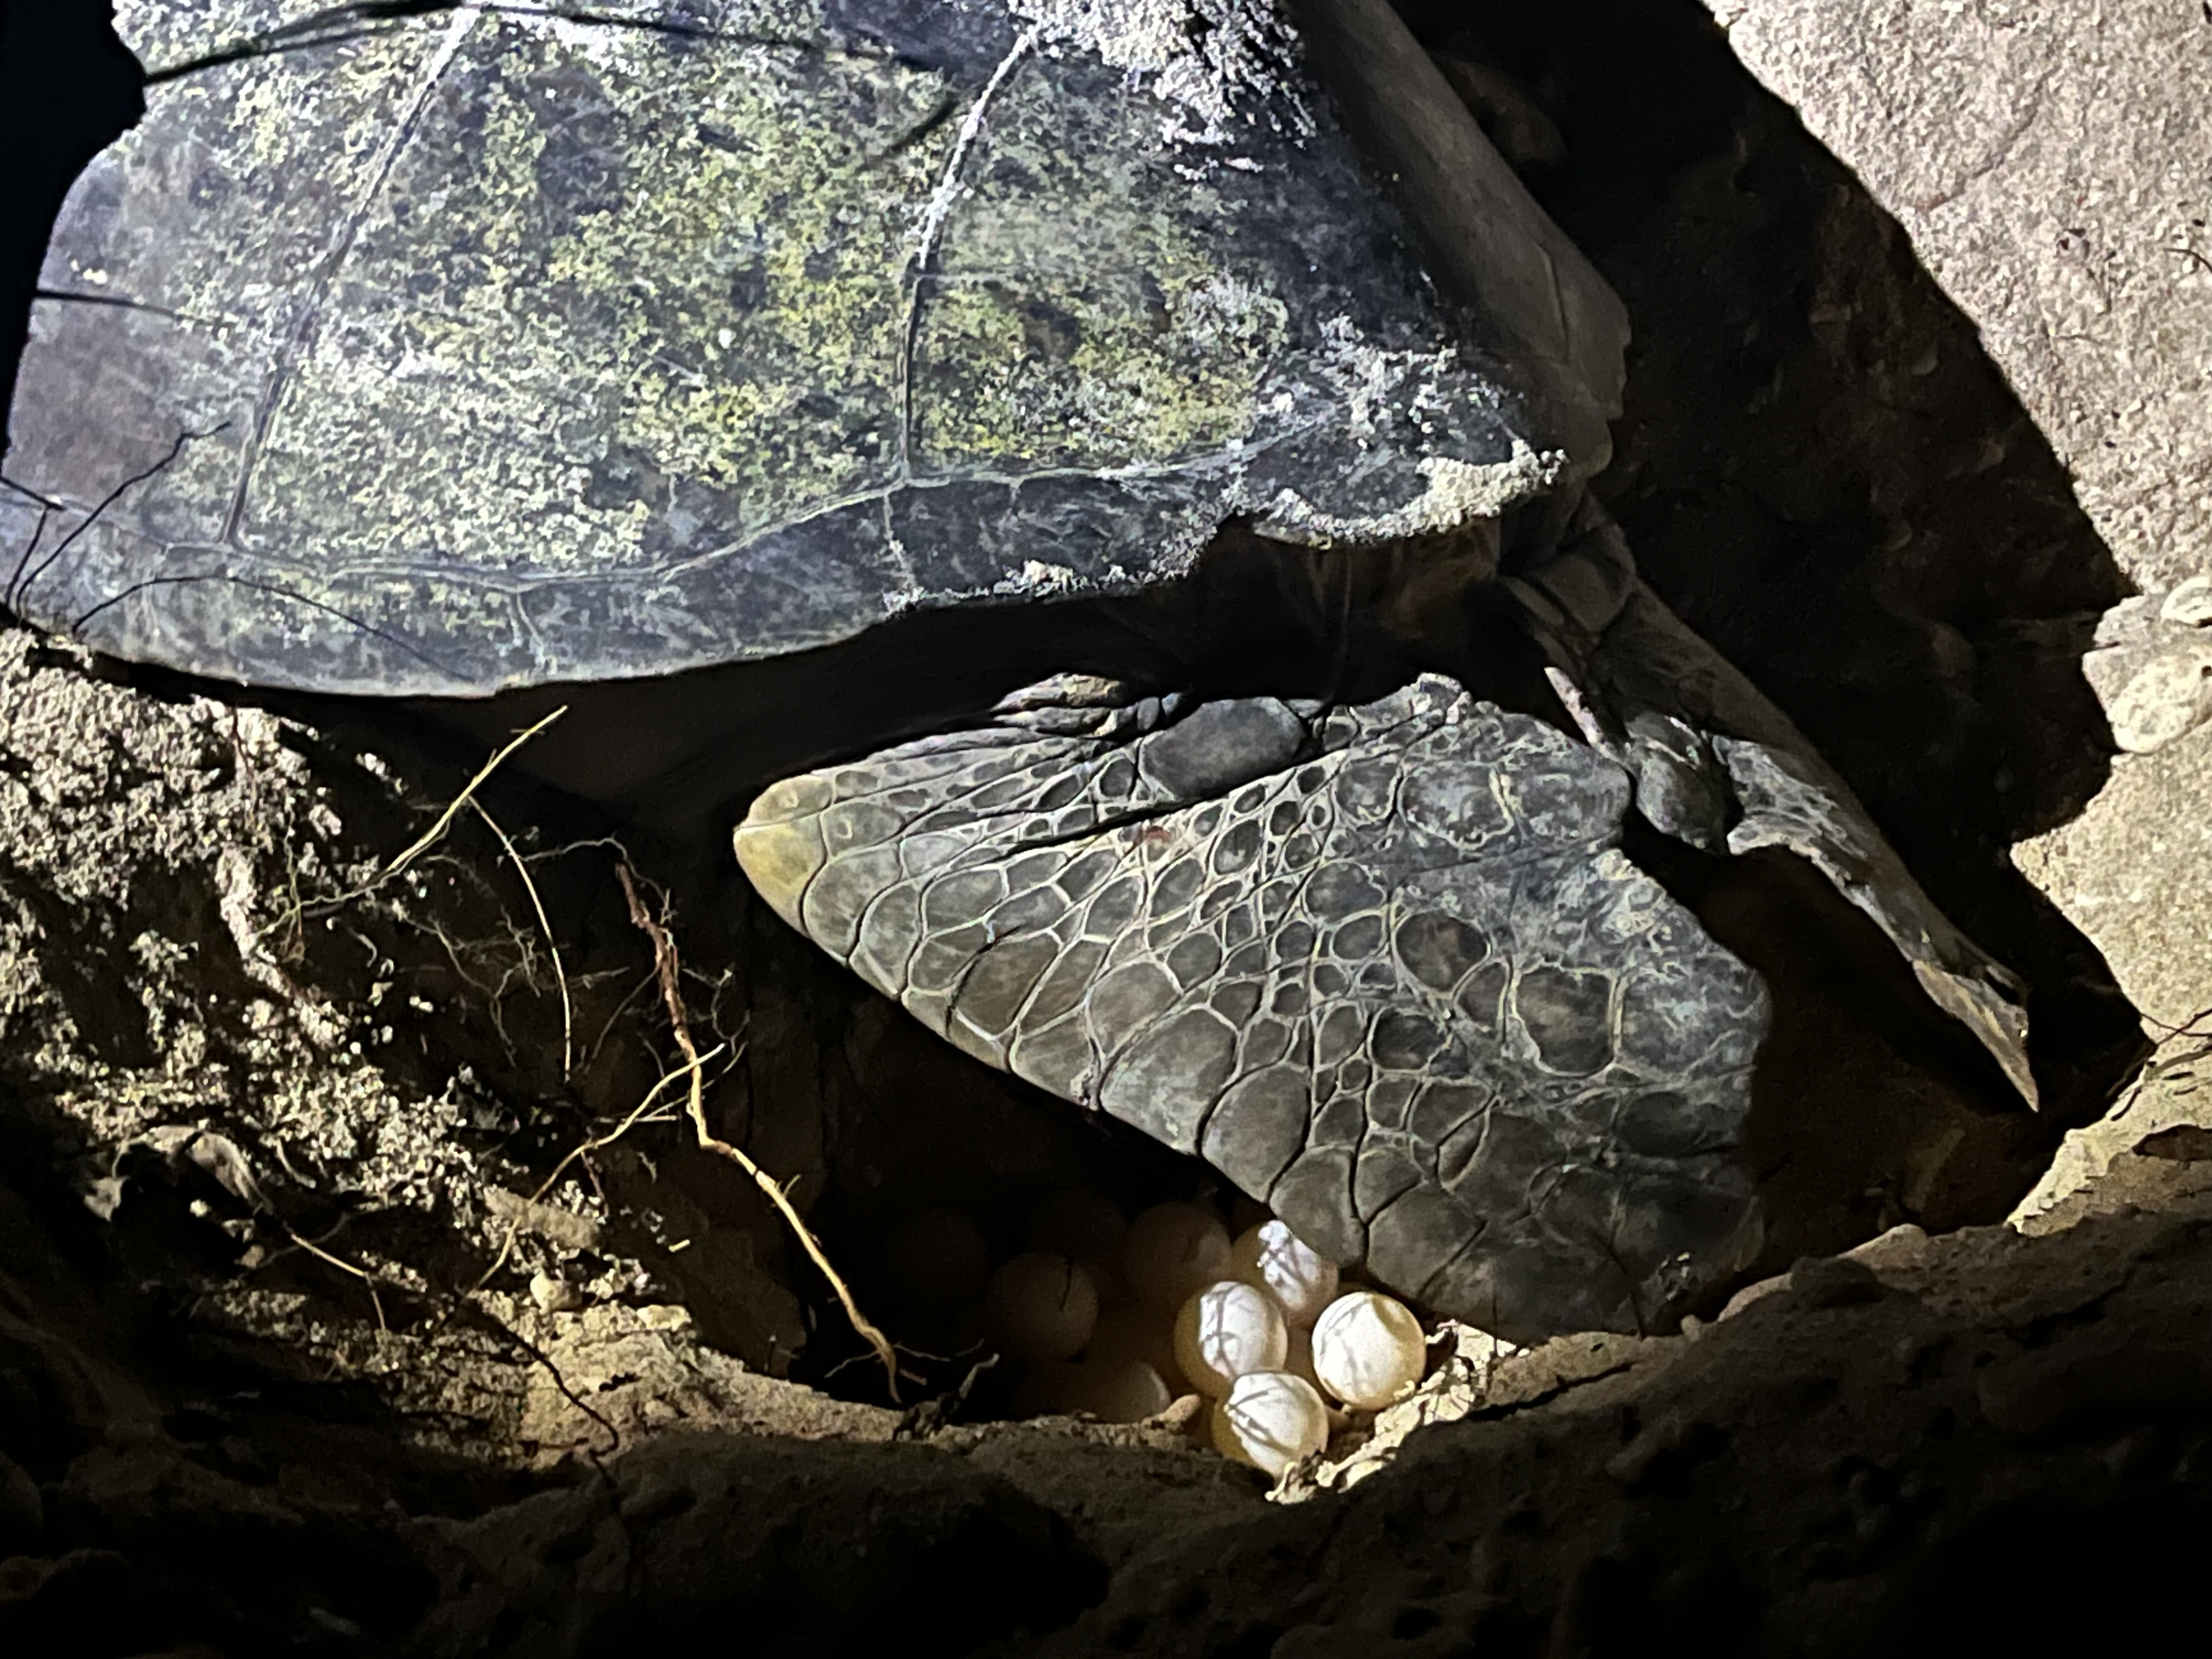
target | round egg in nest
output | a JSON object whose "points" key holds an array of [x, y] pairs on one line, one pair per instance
{"points": [[1227, 1330], [1368, 1348], [1271, 1421]]}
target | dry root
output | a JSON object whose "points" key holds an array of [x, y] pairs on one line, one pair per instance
{"points": [[665, 965]]}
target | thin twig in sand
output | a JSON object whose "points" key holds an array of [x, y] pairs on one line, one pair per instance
{"points": [[584, 1149], [559, 975], [428, 837], [289, 921], [367, 1277], [448, 1305], [2188, 1028], [664, 963]]}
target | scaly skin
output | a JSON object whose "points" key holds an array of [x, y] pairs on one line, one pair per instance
{"points": [[1385, 968]]}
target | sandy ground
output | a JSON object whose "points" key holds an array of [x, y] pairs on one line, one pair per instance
{"points": [[359, 1294]]}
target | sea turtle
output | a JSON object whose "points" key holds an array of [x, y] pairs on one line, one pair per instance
{"points": [[434, 349]]}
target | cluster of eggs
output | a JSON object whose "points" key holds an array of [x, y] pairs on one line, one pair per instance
{"points": [[1115, 1317]]}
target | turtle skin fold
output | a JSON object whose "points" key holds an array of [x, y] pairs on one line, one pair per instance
{"points": [[1386, 967]]}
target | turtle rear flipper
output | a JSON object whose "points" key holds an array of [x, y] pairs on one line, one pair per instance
{"points": [[1385, 967], [1718, 766]]}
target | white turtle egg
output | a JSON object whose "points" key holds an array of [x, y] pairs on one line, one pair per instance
{"points": [[1112, 1390], [1088, 1229], [1172, 1250], [1226, 1331], [1282, 1264], [1270, 1419], [1039, 1308], [936, 1262], [1367, 1348]]}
